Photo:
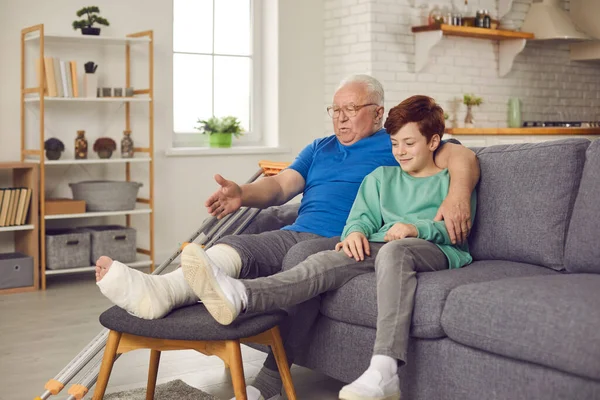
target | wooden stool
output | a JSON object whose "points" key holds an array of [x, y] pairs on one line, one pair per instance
{"points": [[192, 328]]}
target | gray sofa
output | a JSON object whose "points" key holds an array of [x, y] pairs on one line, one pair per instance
{"points": [[523, 320]]}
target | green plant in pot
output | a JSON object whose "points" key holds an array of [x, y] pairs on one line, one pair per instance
{"points": [[471, 100], [54, 148], [86, 24], [104, 147], [220, 130]]}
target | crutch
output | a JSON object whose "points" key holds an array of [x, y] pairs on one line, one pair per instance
{"points": [[55, 385]]}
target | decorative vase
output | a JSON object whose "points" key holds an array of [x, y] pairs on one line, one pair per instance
{"points": [[90, 31], [90, 85], [104, 153], [81, 146], [220, 140], [469, 120], [53, 154], [127, 145], [514, 113]]}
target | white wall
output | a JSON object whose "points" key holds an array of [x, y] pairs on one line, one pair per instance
{"points": [[181, 183], [375, 36]]}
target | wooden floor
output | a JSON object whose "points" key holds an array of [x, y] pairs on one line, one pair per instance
{"points": [[40, 332]]}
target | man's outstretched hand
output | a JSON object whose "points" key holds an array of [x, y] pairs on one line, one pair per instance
{"points": [[226, 200], [456, 213]]}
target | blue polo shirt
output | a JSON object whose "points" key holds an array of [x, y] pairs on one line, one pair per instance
{"points": [[333, 173]]}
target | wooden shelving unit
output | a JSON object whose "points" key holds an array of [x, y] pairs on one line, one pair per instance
{"points": [[25, 236], [34, 96], [510, 44]]}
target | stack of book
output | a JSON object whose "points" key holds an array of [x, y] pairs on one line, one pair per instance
{"points": [[61, 77], [14, 206]]}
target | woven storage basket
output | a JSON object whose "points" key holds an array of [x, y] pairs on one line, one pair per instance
{"points": [[114, 241], [67, 248], [106, 195]]}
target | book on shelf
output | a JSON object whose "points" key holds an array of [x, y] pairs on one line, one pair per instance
{"points": [[14, 206], [60, 77]]}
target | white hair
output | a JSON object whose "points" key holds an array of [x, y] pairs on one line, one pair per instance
{"points": [[374, 87]]}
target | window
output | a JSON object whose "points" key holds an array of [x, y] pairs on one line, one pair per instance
{"points": [[215, 69]]}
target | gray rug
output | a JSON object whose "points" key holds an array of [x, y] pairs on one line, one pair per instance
{"points": [[174, 390]]}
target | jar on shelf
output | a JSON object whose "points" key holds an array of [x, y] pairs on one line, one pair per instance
{"points": [[127, 145], [436, 16], [487, 20], [81, 146]]}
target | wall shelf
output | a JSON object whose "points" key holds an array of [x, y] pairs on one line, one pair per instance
{"points": [[523, 131], [86, 39], [93, 214], [135, 264], [90, 99], [72, 161], [510, 44], [17, 228]]}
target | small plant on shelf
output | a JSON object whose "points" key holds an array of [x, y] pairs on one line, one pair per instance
{"points": [[220, 130], [471, 100], [86, 25], [104, 147], [54, 148]]}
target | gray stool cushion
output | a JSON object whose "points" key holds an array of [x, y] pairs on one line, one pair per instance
{"points": [[190, 323]]}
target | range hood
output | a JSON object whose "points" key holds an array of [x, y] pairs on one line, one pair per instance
{"points": [[547, 20]]}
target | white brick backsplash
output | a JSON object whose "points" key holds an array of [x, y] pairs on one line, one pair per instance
{"points": [[374, 36]]}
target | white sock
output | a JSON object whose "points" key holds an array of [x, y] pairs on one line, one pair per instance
{"points": [[146, 296], [226, 258], [387, 366]]}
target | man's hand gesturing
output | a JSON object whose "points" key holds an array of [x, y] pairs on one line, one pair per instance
{"points": [[227, 199]]}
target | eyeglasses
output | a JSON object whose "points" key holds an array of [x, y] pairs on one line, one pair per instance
{"points": [[350, 109]]}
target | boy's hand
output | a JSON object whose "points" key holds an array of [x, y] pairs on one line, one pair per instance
{"points": [[355, 245], [400, 231]]}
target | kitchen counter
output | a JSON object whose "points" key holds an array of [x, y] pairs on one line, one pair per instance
{"points": [[523, 131]]}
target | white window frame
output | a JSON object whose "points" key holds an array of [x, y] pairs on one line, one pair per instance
{"points": [[254, 136]]}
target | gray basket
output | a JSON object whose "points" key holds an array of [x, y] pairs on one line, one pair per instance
{"points": [[114, 241], [106, 195], [16, 270], [67, 248]]}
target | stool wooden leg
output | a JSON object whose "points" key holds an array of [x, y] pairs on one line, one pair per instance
{"points": [[282, 363], [236, 367], [152, 374], [107, 363]]}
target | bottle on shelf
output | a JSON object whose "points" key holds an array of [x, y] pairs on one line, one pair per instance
{"points": [[127, 145], [81, 146]]}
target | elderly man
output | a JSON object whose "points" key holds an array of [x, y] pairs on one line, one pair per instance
{"points": [[328, 173]]}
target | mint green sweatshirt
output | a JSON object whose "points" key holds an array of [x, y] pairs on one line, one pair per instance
{"points": [[389, 195]]}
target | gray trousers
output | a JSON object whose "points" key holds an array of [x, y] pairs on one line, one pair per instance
{"points": [[396, 264], [267, 253]]}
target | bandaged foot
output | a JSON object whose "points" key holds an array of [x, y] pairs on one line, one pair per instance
{"points": [[379, 382], [145, 296], [223, 297]]}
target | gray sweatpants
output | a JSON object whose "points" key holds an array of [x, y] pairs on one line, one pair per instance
{"points": [[396, 264], [262, 254]]}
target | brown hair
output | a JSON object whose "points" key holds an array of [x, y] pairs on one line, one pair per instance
{"points": [[423, 110]]}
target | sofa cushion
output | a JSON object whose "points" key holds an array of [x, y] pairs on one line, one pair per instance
{"points": [[582, 252], [548, 320], [356, 301], [525, 197]]}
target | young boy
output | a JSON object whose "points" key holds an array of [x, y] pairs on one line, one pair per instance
{"points": [[390, 229]]}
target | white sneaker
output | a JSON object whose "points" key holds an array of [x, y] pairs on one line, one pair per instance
{"points": [[216, 290], [371, 386]]}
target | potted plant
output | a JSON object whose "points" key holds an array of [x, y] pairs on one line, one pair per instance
{"points": [[86, 24], [54, 148], [220, 130], [104, 147], [471, 100]]}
